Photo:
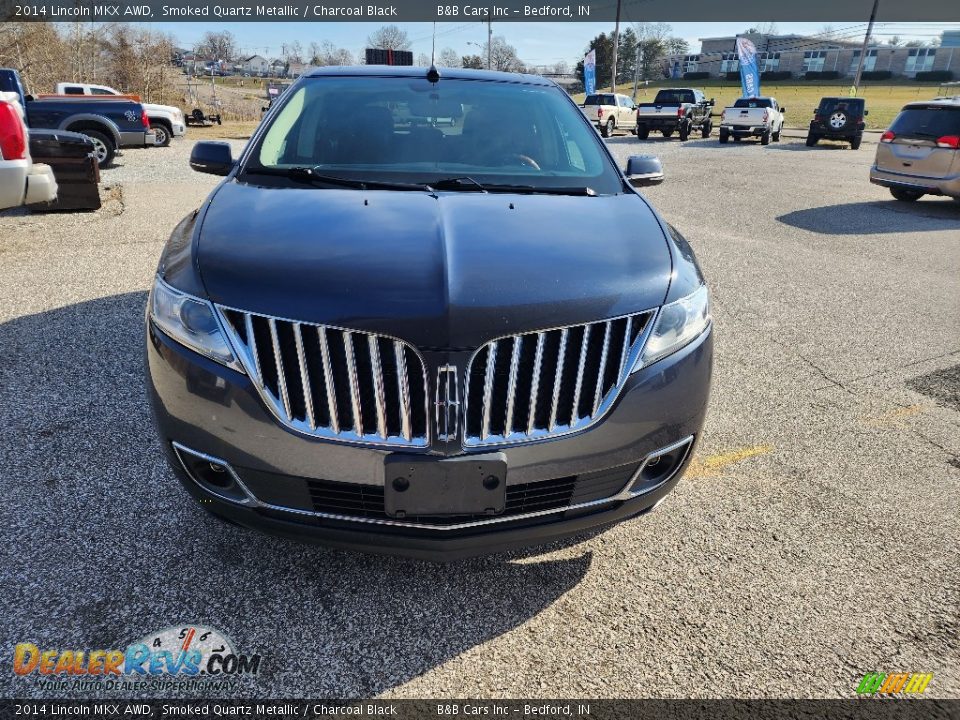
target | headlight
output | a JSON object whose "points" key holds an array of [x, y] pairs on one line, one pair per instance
{"points": [[191, 322], [677, 325]]}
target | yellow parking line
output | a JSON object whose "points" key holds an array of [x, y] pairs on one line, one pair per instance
{"points": [[893, 416], [713, 465]]}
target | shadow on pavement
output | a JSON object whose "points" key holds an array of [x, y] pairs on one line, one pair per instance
{"points": [[105, 530], [867, 218]]}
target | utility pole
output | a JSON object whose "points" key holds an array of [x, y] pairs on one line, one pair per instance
{"points": [[636, 71], [863, 50], [489, 40], [616, 42]]}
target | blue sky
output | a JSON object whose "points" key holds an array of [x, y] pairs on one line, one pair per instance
{"points": [[537, 43]]}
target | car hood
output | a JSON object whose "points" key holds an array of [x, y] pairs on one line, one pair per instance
{"points": [[450, 271], [169, 109]]}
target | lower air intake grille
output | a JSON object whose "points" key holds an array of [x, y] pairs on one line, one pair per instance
{"points": [[334, 383], [540, 384]]}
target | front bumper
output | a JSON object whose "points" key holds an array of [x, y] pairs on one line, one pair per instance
{"points": [[179, 129], [211, 410], [949, 185]]}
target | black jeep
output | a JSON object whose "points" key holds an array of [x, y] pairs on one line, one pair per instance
{"points": [[838, 118]]}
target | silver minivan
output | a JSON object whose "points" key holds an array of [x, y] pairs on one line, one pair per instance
{"points": [[920, 153]]}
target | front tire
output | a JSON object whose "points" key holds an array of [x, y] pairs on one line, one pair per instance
{"points": [[103, 147], [163, 134], [904, 195]]}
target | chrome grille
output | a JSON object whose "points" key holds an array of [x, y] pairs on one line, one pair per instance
{"points": [[334, 383], [542, 384]]}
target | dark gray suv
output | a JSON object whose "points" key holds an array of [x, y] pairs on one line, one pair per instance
{"points": [[389, 331]]}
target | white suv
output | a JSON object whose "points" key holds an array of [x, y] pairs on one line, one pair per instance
{"points": [[610, 111]]}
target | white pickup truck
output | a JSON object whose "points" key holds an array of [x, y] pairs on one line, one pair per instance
{"points": [[21, 181], [758, 117], [609, 112], [166, 121]]}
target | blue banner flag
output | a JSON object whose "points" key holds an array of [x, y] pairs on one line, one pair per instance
{"points": [[590, 72], [749, 72]]}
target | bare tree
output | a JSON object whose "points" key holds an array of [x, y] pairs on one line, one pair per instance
{"points": [[560, 68], [389, 37], [503, 56], [423, 60], [448, 58], [217, 46], [473, 62]]}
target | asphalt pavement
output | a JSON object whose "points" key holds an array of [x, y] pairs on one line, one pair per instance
{"points": [[814, 540]]}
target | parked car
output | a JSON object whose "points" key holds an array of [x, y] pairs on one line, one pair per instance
{"points": [[760, 117], [609, 112], [681, 110], [920, 153], [838, 118], [348, 341], [73, 159], [21, 180], [110, 124], [166, 121]]}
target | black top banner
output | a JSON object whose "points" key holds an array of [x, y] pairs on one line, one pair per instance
{"points": [[478, 10]]}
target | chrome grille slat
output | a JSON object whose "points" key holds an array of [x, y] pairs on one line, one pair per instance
{"points": [[281, 375], [512, 384], [535, 384], [558, 381], [354, 384], [403, 389], [324, 385], [304, 377]]}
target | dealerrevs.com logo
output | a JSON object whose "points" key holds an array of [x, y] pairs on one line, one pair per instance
{"points": [[180, 653], [876, 683]]}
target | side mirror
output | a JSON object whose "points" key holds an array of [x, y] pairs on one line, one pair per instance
{"points": [[644, 170], [713, 101], [211, 157], [782, 109], [866, 112]]}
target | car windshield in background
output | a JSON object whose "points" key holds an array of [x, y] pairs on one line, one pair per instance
{"points": [[927, 122], [673, 97], [852, 106], [753, 103], [600, 100], [472, 134]]}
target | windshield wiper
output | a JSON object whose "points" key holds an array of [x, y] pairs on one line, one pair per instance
{"points": [[458, 183], [535, 190], [309, 175]]}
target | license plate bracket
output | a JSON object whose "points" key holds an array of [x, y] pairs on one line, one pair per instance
{"points": [[415, 485]]}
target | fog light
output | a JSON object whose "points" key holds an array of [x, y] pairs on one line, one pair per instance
{"points": [[660, 466], [214, 476]]}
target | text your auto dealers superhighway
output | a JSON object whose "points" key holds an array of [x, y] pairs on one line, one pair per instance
{"points": [[304, 11]]}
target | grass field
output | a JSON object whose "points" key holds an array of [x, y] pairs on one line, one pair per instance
{"points": [[800, 99]]}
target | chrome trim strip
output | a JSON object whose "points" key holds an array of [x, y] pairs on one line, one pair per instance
{"points": [[535, 383], [304, 376], [598, 393], [622, 495], [328, 379], [561, 354], [512, 384], [625, 352], [281, 373], [251, 500], [487, 389], [578, 387], [403, 388], [377, 373], [354, 386], [252, 342]]}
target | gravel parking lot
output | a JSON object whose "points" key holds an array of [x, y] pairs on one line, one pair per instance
{"points": [[814, 540]]}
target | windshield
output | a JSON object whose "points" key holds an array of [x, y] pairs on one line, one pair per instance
{"points": [[929, 122], [409, 130], [753, 103], [673, 97]]}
